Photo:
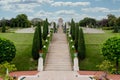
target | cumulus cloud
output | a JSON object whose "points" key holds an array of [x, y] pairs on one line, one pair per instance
{"points": [[67, 15], [96, 9], [22, 5], [100, 9], [65, 12], [57, 4]]}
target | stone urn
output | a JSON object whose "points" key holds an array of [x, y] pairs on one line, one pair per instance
{"points": [[40, 53]]}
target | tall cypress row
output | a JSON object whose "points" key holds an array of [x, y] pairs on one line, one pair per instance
{"points": [[45, 29], [76, 36], [40, 35], [81, 45], [36, 45], [72, 29]]}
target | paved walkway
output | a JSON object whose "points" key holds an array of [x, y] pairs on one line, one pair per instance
{"points": [[58, 58], [95, 73]]}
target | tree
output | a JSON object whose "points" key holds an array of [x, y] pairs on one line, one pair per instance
{"points": [[3, 27], [117, 27], [103, 23], [88, 22], [76, 36], [7, 50], [13, 22], [111, 50], [36, 44], [72, 31], [111, 20], [22, 20], [40, 35], [81, 45], [45, 29]]}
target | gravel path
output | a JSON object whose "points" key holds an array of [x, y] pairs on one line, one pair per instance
{"points": [[85, 30], [25, 30], [92, 30]]}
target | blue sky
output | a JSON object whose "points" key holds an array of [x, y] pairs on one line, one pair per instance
{"points": [[54, 9]]}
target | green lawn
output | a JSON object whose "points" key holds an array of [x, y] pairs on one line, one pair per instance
{"points": [[93, 49], [23, 42]]}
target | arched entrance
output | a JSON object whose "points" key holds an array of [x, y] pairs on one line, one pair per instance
{"points": [[60, 22]]}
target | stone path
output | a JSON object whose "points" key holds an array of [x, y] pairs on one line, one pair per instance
{"points": [[58, 58], [95, 73], [58, 65], [58, 75]]}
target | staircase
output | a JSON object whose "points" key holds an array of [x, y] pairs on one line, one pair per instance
{"points": [[58, 58]]}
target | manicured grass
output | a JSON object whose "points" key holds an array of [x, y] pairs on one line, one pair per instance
{"points": [[23, 42], [93, 49]]}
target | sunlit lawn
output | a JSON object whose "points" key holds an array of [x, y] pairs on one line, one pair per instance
{"points": [[23, 42], [93, 49]]}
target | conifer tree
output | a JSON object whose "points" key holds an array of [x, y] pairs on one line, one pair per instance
{"points": [[72, 32], [45, 29], [40, 35], [81, 45], [36, 45], [76, 36]]}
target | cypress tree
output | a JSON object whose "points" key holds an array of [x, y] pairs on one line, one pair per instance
{"points": [[36, 46], [45, 29], [3, 27], [72, 29], [40, 35], [81, 45], [76, 36]]}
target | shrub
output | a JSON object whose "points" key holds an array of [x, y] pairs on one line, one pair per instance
{"points": [[111, 50], [81, 45], [45, 29], [76, 36], [3, 27], [40, 35], [72, 29], [7, 50], [107, 28], [36, 45], [5, 65]]}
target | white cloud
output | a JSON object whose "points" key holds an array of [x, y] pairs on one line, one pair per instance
{"points": [[45, 1], [65, 12], [21, 5], [96, 9], [70, 4], [26, 7], [3, 2], [67, 15], [100, 9]]}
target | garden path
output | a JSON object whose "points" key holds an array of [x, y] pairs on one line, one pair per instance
{"points": [[58, 58]]}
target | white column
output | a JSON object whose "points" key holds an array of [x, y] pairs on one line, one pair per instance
{"points": [[76, 66], [40, 64]]}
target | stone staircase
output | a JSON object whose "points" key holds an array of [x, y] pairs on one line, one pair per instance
{"points": [[58, 58], [58, 64]]}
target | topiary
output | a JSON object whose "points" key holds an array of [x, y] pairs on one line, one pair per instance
{"points": [[36, 45], [7, 50]]}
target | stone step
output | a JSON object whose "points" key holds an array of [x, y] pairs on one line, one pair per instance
{"points": [[58, 75], [58, 65], [58, 68], [58, 57]]}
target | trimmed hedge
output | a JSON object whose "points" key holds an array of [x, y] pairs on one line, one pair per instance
{"points": [[7, 50]]}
